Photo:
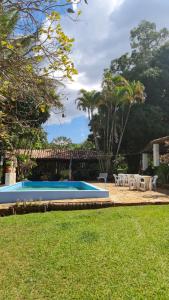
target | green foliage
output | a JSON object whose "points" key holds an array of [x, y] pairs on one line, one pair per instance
{"points": [[61, 142], [25, 96], [163, 173], [114, 103], [8, 163], [49, 42], [33, 50], [88, 101], [145, 40], [24, 166], [148, 63], [64, 174], [120, 165], [87, 145]]}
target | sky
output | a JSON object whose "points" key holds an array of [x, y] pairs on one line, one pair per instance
{"points": [[101, 34]]}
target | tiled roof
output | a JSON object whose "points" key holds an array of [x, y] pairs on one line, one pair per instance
{"points": [[164, 158], [163, 141], [59, 154]]}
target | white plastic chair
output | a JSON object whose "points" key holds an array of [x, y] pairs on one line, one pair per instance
{"points": [[102, 176], [142, 185], [117, 181], [135, 182], [153, 183], [121, 179]]}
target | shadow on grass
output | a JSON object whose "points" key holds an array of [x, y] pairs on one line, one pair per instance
{"points": [[89, 237]]}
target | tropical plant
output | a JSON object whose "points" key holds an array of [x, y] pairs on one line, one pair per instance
{"points": [[88, 101], [131, 93], [163, 173], [24, 166], [61, 142], [41, 20], [120, 165], [34, 59], [114, 104], [25, 108]]}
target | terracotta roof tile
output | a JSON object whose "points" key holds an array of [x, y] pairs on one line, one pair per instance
{"points": [[59, 154]]}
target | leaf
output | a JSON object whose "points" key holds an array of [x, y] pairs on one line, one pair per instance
{"points": [[3, 43], [9, 46]]}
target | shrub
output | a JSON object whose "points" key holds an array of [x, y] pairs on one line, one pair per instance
{"points": [[163, 173], [25, 166]]}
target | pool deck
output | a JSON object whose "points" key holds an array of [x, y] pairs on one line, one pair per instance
{"points": [[122, 195], [118, 196]]}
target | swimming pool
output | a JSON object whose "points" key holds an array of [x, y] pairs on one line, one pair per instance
{"points": [[50, 190]]}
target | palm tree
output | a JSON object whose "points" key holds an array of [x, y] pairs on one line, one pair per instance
{"points": [[113, 106], [129, 94], [62, 142], [116, 99], [87, 101]]}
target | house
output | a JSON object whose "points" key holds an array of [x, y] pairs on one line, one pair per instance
{"points": [[52, 163], [160, 150]]}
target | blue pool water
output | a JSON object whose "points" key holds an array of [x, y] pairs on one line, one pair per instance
{"points": [[50, 190], [50, 186]]}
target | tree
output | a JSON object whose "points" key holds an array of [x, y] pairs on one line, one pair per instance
{"points": [[26, 107], [41, 20], [145, 41], [33, 48], [62, 142], [87, 101], [148, 63], [29, 138], [113, 105]]}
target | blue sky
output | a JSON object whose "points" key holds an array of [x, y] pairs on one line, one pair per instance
{"points": [[77, 130]]}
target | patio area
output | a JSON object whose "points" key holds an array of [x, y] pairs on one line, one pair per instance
{"points": [[122, 195], [118, 196]]}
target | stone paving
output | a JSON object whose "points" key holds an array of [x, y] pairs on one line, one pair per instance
{"points": [[118, 196], [124, 195]]}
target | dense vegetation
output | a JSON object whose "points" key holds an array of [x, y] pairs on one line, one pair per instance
{"points": [[34, 61], [115, 253], [126, 128], [147, 62], [64, 143], [131, 109]]}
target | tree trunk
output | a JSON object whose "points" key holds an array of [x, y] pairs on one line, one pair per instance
{"points": [[123, 130]]}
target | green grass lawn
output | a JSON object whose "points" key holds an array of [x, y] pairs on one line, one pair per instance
{"points": [[114, 253]]}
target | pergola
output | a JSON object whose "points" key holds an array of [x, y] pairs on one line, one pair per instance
{"points": [[160, 149]]}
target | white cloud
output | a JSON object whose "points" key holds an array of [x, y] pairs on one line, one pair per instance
{"points": [[101, 34], [89, 54], [70, 111]]}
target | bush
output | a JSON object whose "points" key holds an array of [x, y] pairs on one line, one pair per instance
{"points": [[163, 173], [120, 165], [82, 174], [64, 174], [25, 166], [8, 163]]}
